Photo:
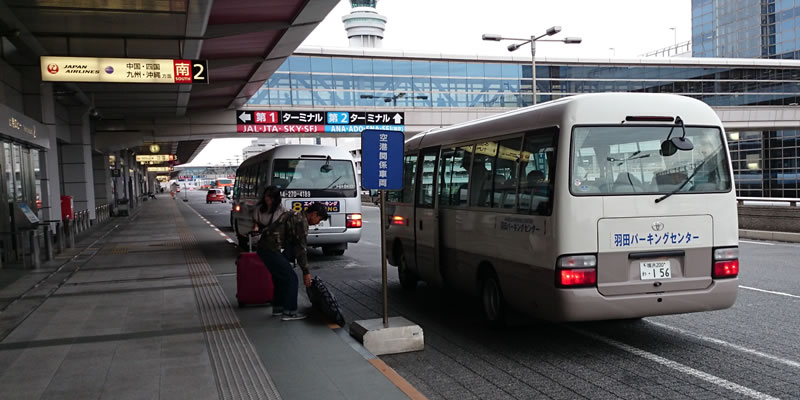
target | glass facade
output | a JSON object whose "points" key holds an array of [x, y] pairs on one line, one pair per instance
{"points": [[336, 81], [746, 28], [764, 163]]}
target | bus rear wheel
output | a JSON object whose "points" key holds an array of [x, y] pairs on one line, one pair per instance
{"points": [[492, 300], [408, 280]]}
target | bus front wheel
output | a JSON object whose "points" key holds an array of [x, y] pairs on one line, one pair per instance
{"points": [[492, 299], [408, 281]]}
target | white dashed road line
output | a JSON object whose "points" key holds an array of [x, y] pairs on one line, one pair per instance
{"points": [[770, 292], [728, 344], [679, 367], [227, 238]]}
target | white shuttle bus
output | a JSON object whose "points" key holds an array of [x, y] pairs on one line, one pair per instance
{"points": [[304, 174], [590, 207]]}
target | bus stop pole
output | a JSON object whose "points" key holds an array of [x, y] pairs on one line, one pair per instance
{"points": [[383, 261]]}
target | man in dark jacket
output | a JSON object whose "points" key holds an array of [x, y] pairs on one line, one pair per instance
{"points": [[289, 232]]}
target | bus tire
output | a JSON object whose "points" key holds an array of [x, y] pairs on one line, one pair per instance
{"points": [[408, 280], [492, 301]]}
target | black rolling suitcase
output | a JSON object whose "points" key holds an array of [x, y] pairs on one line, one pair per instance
{"points": [[324, 301]]}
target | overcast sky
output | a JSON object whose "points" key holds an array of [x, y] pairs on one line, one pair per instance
{"points": [[609, 28]]}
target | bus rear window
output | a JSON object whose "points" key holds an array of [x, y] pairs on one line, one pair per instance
{"points": [[313, 174], [627, 160]]}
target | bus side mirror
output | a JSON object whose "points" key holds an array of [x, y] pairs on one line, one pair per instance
{"points": [[672, 145]]}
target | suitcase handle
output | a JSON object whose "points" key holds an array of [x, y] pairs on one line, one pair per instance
{"points": [[250, 237]]}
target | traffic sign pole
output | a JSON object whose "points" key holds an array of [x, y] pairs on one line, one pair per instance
{"points": [[382, 169], [383, 261]]}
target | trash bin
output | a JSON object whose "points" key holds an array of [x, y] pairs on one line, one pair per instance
{"points": [[67, 208]]}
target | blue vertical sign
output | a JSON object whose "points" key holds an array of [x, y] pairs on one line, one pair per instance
{"points": [[382, 159]]}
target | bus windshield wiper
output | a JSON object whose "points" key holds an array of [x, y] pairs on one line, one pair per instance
{"points": [[685, 181], [334, 181]]}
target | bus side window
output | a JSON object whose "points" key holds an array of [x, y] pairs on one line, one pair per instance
{"points": [[453, 178], [536, 172], [482, 174], [505, 172], [409, 176], [427, 177]]}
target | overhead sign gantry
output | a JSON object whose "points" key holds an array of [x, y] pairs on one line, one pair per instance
{"points": [[274, 121]]}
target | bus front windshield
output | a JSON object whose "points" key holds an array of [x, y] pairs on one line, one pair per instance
{"points": [[627, 160], [314, 175]]}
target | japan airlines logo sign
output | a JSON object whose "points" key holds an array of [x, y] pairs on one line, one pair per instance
{"points": [[52, 68]]}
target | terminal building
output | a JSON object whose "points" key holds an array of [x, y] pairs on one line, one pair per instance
{"points": [[82, 140], [436, 89]]}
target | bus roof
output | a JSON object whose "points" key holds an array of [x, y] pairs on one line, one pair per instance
{"points": [[298, 151], [595, 108]]}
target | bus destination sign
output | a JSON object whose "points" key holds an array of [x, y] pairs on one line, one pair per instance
{"points": [[267, 121]]}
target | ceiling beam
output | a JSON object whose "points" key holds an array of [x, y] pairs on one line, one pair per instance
{"points": [[196, 25], [309, 17], [27, 43]]}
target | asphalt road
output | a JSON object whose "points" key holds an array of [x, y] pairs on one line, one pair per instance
{"points": [[750, 351]]}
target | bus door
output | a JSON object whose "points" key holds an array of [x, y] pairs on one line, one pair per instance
{"points": [[426, 218]]}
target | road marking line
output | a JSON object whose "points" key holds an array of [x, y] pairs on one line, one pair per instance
{"points": [[679, 367], [770, 291], [727, 344], [751, 242]]}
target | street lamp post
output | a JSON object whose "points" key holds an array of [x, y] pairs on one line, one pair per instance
{"points": [[513, 47], [393, 98]]}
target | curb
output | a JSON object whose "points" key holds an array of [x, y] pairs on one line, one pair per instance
{"points": [[767, 235]]}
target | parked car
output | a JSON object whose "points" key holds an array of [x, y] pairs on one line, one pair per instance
{"points": [[215, 195]]}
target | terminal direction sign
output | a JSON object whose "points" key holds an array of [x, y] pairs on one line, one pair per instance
{"points": [[123, 70], [142, 158], [273, 121]]}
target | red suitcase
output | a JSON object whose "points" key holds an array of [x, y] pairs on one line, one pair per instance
{"points": [[253, 280]]}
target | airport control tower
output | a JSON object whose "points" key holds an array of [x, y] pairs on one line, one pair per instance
{"points": [[364, 25]]}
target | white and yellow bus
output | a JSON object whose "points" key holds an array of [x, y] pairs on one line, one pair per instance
{"points": [[591, 207]]}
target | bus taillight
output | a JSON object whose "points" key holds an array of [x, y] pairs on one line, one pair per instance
{"points": [[398, 220], [353, 221], [578, 277], [726, 263], [237, 208], [577, 271]]}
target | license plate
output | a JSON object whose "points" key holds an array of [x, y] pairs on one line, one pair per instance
{"points": [[650, 270]]}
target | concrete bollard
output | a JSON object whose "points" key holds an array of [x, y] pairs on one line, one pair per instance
{"points": [[35, 254], [70, 233], [60, 236], [48, 242]]}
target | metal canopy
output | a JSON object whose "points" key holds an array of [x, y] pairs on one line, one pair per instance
{"points": [[245, 41]]}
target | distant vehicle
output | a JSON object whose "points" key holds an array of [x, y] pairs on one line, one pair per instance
{"points": [[305, 174], [590, 207], [215, 195], [223, 183]]}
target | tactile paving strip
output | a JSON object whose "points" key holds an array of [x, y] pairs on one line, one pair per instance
{"points": [[240, 373]]}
